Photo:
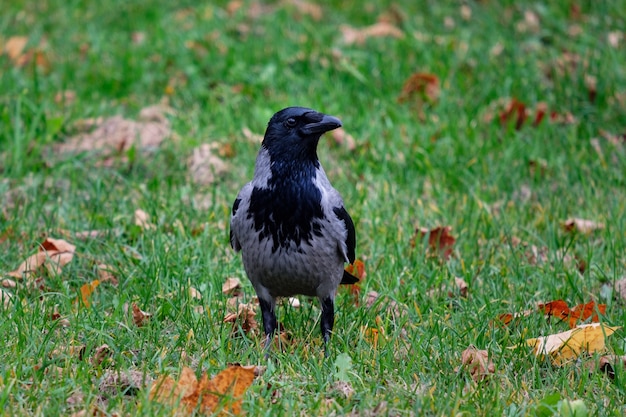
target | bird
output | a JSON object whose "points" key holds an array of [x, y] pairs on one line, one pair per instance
{"points": [[290, 224]]}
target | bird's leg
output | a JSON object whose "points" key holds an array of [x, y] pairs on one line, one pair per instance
{"points": [[269, 321], [327, 320]]}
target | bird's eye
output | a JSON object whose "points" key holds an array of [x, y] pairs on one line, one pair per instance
{"points": [[291, 122]]}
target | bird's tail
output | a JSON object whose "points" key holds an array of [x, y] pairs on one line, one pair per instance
{"points": [[348, 278]]}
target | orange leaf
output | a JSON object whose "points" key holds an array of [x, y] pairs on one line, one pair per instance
{"points": [[357, 269], [585, 311], [225, 390], [87, 290], [558, 309]]}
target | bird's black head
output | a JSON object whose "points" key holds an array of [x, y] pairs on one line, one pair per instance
{"points": [[293, 133]]}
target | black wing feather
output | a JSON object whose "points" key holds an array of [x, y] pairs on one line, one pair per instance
{"points": [[232, 238], [342, 214]]}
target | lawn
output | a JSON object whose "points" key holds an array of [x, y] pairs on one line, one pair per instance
{"points": [[499, 120]]}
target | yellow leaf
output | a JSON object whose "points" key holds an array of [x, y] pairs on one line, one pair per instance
{"points": [[86, 291], [569, 345]]}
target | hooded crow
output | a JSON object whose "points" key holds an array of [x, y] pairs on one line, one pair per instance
{"points": [[290, 224]]}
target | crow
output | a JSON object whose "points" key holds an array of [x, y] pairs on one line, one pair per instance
{"points": [[290, 224]]}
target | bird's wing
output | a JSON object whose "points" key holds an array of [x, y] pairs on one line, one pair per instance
{"points": [[350, 242], [242, 202]]}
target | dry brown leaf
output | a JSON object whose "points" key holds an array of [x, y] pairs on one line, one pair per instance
{"points": [[358, 36], [8, 283], [608, 364], [127, 382], [225, 390], [245, 317], [620, 287], [87, 290], [341, 137], [252, 137], [142, 219], [421, 85], [101, 353], [195, 294], [614, 38], [440, 241], [581, 225], [231, 287], [6, 298], [105, 274], [392, 307], [54, 254], [565, 346], [14, 48], [205, 165], [115, 135], [307, 8], [140, 317], [293, 302], [478, 363]]}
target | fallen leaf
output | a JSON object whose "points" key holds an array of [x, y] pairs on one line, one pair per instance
{"points": [[341, 137], [440, 241], [8, 283], [558, 309], [386, 304], [204, 165], [140, 317], [507, 318], [244, 318], [343, 388], [461, 286], [126, 382], [54, 254], [195, 294], [142, 219], [356, 269], [515, 111], [608, 364], [14, 48], [293, 302], [591, 82], [478, 363], [189, 395], [6, 298], [87, 290], [105, 274], [232, 287], [581, 225], [101, 353], [252, 137], [358, 36], [569, 345], [115, 135], [306, 8], [422, 85], [614, 38], [620, 287], [583, 312], [66, 98]]}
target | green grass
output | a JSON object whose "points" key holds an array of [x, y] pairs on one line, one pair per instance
{"points": [[448, 166]]}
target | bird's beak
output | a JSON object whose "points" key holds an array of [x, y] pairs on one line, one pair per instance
{"points": [[324, 125]]}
